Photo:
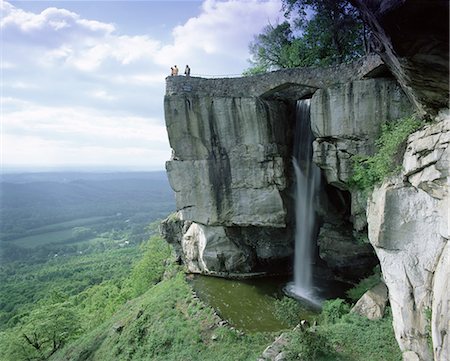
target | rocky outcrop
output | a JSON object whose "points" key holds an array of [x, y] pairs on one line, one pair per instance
{"points": [[228, 159], [233, 252], [408, 227], [441, 306], [373, 303], [412, 37], [350, 258], [346, 119], [207, 249], [231, 170]]}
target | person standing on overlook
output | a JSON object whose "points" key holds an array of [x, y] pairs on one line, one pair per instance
{"points": [[187, 71], [175, 70]]}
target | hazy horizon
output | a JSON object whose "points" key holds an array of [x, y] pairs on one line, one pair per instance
{"points": [[11, 169]]}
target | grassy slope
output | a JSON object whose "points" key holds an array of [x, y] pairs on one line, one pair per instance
{"points": [[166, 323]]}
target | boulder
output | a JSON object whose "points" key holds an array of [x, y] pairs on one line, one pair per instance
{"points": [[372, 303], [207, 249]]}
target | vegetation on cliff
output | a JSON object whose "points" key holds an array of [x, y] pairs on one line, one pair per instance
{"points": [[371, 170]]}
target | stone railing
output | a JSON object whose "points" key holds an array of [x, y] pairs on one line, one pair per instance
{"points": [[265, 84]]}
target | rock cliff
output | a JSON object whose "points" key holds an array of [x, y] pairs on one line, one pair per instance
{"points": [[408, 218], [412, 37], [231, 170], [232, 142]]}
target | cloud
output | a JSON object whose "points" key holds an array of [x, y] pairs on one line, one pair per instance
{"points": [[77, 123], [30, 150], [221, 32], [50, 28], [33, 134], [73, 84]]}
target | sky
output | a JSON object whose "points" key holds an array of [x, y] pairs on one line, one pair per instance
{"points": [[82, 82]]}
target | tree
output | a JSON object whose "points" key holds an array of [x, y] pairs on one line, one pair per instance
{"points": [[44, 331], [269, 48], [319, 33]]}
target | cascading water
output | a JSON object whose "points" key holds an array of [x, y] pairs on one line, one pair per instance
{"points": [[307, 178]]}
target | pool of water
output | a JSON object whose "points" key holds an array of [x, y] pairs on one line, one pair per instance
{"points": [[248, 305]]}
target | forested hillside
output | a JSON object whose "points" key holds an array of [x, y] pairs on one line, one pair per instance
{"points": [[68, 243]]}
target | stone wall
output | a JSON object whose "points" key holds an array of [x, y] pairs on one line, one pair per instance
{"points": [[264, 85]]}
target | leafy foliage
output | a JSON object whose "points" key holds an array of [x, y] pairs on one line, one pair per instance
{"points": [[333, 310], [359, 338], [79, 293], [151, 267], [165, 323], [318, 33], [308, 345], [371, 170], [287, 310], [364, 285], [26, 285], [343, 336]]}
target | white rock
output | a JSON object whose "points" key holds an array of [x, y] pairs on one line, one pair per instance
{"points": [[409, 228], [373, 303], [440, 317], [410, 356], [207, 249]]}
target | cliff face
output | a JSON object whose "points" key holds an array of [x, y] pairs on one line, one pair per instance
{"points": [[232, 174], [227, 167], [412, 37], [231, 167], [408, 228], [231, 171]]}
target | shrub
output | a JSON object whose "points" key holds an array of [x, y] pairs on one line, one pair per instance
{"points": [[308, 345], [287, 310], [371, 170], [150, 269], [333, 310]]}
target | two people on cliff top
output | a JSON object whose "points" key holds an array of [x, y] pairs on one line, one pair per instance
{"points": [[174, 71]]}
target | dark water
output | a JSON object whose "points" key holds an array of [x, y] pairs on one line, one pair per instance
{"points": [[248, 305]]}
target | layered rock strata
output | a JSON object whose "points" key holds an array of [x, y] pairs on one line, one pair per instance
{"points": [[408, 218], [231, 170]]}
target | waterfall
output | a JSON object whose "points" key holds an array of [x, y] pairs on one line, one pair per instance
{"points": [[307, 179]]}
